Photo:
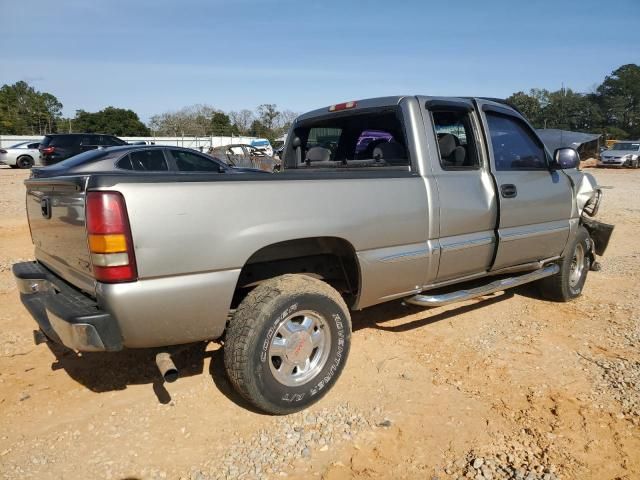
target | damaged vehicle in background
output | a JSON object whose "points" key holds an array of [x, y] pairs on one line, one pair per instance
{"points": [[460, 199], [245, 156], [621, 154]]}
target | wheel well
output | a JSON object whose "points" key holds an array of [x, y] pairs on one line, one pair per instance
{"points": [[330, 259]]}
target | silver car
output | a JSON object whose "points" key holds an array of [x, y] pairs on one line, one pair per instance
{"points": [[20, 155], [621, 154]]}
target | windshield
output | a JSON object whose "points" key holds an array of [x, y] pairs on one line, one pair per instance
{"points": [[18, 145], [628, 146]]}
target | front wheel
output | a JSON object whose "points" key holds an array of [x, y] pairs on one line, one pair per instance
{"points": [[287, 343], [568, 283]]}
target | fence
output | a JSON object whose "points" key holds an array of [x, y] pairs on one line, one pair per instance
{"points": [[197, 143]]}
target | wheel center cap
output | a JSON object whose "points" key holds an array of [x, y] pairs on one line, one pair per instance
{"points": [[299, 347]]}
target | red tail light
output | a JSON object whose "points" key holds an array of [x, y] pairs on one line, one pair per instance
{"points": [[342, 106], [48, 150], [109, 238]]}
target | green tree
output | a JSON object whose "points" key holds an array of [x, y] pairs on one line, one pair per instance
{"points": [[268, 114], [529, 106], [619, 97], [569, 110], [221, 125], [25, 111], [111, 120]]}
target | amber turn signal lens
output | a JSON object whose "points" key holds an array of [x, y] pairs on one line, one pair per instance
{"points": [[108, 243]]}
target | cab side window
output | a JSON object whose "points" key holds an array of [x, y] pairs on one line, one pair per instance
{"points": [[514, 145], [456, 140]]}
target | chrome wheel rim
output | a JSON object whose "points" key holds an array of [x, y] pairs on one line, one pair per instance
{"points": [[299, 348], [577, 265]]}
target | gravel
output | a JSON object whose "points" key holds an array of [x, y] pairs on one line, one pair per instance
{"points": [[520, 459], [621, 379], [270, 451]]}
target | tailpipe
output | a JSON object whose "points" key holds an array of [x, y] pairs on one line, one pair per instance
{"points": [[166, 366]]}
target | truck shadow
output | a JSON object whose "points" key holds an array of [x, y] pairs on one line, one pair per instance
{"points": [[106, 372]]}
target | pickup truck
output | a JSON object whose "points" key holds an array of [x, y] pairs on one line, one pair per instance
{"points": [[455, 198]]}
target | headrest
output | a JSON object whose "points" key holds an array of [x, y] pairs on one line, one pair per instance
{"points": [[389, 151], [447, 143], [459, 154], [318, 154]]}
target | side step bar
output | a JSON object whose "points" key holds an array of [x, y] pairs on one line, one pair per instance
{"points": [[497, 286]]}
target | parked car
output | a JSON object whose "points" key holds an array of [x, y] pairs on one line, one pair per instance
{"points": [[275, 263], [621, 154], [127, 159], [57, 147], [20, 155], [245, 156], [264, 145]]}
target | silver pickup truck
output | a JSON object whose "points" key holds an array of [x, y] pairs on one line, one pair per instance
{"points": [[430, 200]]}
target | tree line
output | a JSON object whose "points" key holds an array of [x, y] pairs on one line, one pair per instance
{"points": [[612, 108], [26, 111]]}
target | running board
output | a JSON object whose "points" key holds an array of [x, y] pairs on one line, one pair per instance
{"points": [[497, 286]]}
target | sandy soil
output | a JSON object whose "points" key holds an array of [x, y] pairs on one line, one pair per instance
{"points": [[511, 379]]}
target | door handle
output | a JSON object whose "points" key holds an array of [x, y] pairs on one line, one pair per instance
{"points": [[508, 190]]}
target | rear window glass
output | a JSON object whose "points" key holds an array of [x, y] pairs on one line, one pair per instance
{"points": [[145, 161], [81, 159], [363, 139]]}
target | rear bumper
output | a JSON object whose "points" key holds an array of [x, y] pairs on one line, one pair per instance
{"points": [[64, 314]]}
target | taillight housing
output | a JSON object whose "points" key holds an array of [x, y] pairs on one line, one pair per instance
{"points": [[109, 238], [48, 150]]}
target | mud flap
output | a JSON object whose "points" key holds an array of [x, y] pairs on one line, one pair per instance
{"points": [[600, 234]]}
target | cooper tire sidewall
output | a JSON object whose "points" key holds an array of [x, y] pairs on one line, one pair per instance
{"points": [[336, 319]]}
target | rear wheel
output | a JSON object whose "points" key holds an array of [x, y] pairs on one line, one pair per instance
{"points": [[24, 161], [287, 343], [568, 283]]}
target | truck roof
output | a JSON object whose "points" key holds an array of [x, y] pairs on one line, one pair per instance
{"points": [[378, 102]]}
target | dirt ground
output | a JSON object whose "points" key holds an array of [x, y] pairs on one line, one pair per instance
{"points": [[511, 382]]}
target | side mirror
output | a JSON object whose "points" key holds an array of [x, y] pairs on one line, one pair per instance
{"points": [[565, 159]]}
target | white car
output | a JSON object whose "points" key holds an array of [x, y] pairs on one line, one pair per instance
{"points": [[264, 145], [20, 155]]}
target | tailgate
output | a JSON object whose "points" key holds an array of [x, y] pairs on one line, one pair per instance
{"points": [[55, 208]]}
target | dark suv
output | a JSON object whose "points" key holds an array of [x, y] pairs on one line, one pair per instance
{"points": [[55, 148]]}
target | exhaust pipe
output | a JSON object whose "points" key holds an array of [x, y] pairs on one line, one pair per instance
{"points": [[166, 366]]}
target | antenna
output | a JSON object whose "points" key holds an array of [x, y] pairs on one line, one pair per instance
{"points": [[562, 114]]}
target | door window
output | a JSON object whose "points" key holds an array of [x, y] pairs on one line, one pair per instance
{"points": [[456, 141], [192, 162], [514, 145]]}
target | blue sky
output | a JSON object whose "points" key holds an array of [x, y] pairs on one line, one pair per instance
{"points": [[155, 56]]}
